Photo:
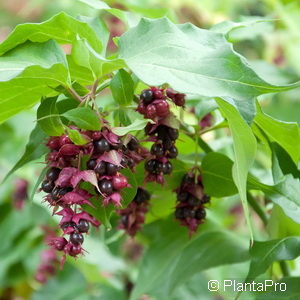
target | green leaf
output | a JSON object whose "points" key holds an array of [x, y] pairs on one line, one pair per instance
{"points": [[179, 258], [217, 171], [287, 135], [84, 118], [62, 28], [287, 197], [35, 148], [76, 137], [192, 60], [44, 68], [291, 293], [48, 117], [282, 163], [85, 56], [122, 87], [136, 125], [244, 144], [263, 254]]}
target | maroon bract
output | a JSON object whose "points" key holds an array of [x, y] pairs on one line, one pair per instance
{"points": [[206, 121], [191, 200], [133, 216]]}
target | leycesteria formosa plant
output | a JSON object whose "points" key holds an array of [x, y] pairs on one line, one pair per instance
{"points": [[130, 134]]}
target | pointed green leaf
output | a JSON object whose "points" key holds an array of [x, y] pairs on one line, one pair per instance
{"points": [[136, 125], [35, 148], [84, 118], [76, 137], [122, 87], [48, 118], [62, 28], [244, 144], [263, 254], [192, 60]]}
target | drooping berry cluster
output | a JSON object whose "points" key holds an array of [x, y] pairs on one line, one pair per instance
{"points": [[20, 193], [48, 259], [106, 153], [133, 216], [162, 150], [154, 105], [190, 210]]}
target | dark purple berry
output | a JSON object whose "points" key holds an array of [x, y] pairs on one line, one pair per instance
{"points": [[188, 178], [200, 214], [205, 199], [160, 167], [188, 212], [101, 146], [179, 213], [146, 96], [75, 250], [68, 224], [106, 187], [124, 220], [141, 196], [167, 142], [173, 133], [130, 162], [133, 144], [47, 186], [173, 152], [167, 168], [193, 201], [83, 226], [182, 196], [111, 169], [157, 150], [101, 168], [150, 165], [52, 174], [59, 192], [91, 164], [76, 238]]}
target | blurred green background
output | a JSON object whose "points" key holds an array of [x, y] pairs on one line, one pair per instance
{"points": [[111, 262]]}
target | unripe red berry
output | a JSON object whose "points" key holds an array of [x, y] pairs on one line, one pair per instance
{"points": [[119, 182], [151, 111], [162, 108], [63, 140]]}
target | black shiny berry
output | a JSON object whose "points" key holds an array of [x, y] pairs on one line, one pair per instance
{"points": [[193, 201], [188, 212], [133, 144], [146, 96], [106, 187], [59, 192], [173, 133], [182, 196], [83, 226], [159, 168], [167, 143], [52, 174], [167, 168], [130, 162], [76, 238], [200, 214], [47, 186], [124, 220], [150, 165], [91, 164], [188, 178], [101, 146], [68, 224], [179, 213], [157, 150], [173, 152], [111, 169], [141, 196], [205, 199], [101, 168]]}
